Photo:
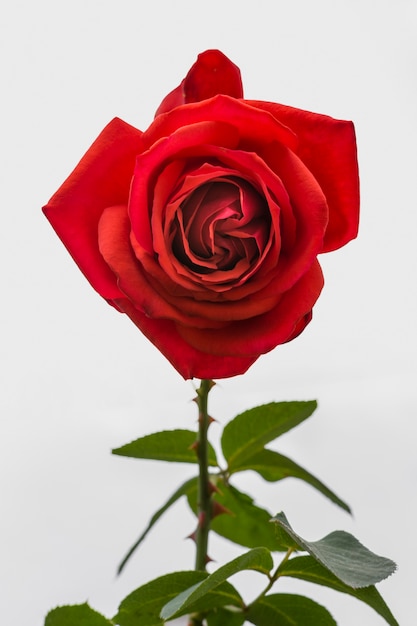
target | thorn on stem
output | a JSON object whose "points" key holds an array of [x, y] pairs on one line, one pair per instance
{"points": [[212, 488], [219, 509], [194, 446]]}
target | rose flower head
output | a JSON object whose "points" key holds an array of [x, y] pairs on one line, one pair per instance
{"points": [[205, 228]]}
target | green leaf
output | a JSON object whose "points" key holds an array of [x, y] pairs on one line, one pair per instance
{"points": [[225, 617], [273, 467], [79, 615], [308, 569], [223, 595], [168, 445], [143, 606], [246, 524], [342, 554], [288, 610], [258, 559], [190, 486], [248, 432]]}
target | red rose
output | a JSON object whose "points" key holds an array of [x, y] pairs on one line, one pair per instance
{"points": [[205, 229]]}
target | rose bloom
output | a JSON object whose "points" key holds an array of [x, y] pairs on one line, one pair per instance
{"points": [[205, 228]]}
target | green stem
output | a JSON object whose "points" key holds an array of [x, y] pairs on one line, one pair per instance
{"points": [[274, 577], [204, 493]]}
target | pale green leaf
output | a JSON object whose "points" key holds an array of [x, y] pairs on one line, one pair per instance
{"points": [[168, 445], [308, 569], [342, 554], [258, 559], [223, 595], [250, 431]]}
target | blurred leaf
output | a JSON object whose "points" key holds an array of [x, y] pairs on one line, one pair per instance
{"points": [[342, 554], [77, 615], [248, 432], [308, 569], [223, 595], [188, 487], [288, 610], [259, 560], [168, 445], [225, 617], [246, 524], [143, 606], [273, 467]]}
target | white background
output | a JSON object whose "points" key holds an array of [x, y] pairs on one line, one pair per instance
{"points": [[78, 379]]}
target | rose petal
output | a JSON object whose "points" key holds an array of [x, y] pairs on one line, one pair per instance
{"points": [[217, 227], [188, 361], [261, 334], [328, 148], [150, 163], [311, 215], [238, 235], [255, 126], [251, 167], [213, 73], [113, 238], [101, 178], [309, 208], [214, 304]]}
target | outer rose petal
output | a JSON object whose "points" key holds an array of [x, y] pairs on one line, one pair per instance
{"points": [[113, 238], [101, 178], [328, 148], [211, 74], [263, 333], [188, 361], [256, 127]]}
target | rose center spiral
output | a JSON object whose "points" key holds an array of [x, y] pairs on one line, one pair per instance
{"points": [[222, 224]]}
